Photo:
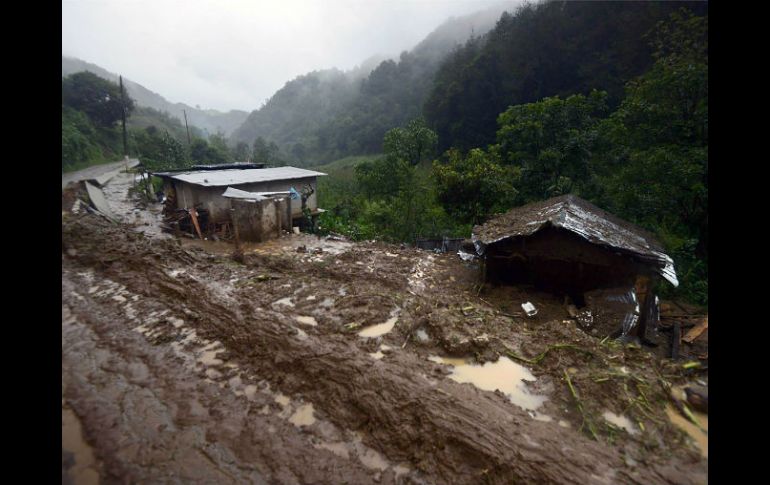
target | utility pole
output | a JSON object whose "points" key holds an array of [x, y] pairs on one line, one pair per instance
{"points": [[123, 113], [188, 128]]}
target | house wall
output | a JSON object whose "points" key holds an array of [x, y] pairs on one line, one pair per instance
{"points": [[558, 260], [211, 198], [262, 220]]}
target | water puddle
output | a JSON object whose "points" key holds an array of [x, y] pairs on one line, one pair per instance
{"points": [[505, 375], [282, 399], [620, 422], [339, 449], [369, 457], [284, 301], [456, 362], [700, 437], [250, 391], [381, 328], [401, 470], [303, 416], [209, 352], [83, 469], [540, 417], [300, 333], [306, 320]]}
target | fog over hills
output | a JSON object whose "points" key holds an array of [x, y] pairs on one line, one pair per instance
{"points": [[210, 121]]}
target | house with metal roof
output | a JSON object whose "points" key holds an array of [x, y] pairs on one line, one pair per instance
{"points": [[569, 246], [569, 240], [205, 189]]}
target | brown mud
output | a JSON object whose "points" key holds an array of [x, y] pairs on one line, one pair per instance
{"points": [[182, 364]]}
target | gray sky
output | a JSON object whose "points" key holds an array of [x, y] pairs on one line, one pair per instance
{"points": [[234, 54]]}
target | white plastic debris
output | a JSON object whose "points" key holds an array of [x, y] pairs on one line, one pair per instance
{"points": [[296, 229], [529, 309]]}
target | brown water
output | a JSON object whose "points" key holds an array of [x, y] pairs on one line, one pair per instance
{"points": [[284, 301], [84, 470], [306, 320], [701, 438], [379, 329], [505, 375], [620, 421], [303, 416]]}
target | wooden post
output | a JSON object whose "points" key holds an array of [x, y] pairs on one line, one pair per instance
{"points": [[235, 230], [123, 115], [277, 208], [676, 336], [188, 128]]}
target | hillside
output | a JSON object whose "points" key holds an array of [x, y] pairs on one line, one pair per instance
{"points": [[547, 49], [209, 121], [330, 114]]}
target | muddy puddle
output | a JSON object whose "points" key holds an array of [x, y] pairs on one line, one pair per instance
{"points": [[303, 416], [80, 459], [699, 435], [305, 320], [504, 375], [620, 421], [380, 329]]}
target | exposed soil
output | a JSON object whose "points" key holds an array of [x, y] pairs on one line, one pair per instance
{"points": [[181, 364]]}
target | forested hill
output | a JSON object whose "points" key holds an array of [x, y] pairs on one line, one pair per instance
{"points": [[210, 121], [546, 49], [330, 114]]}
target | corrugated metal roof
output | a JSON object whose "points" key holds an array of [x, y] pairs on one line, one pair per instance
{"points": [[233, 193], [237, 177], [581, 217]]}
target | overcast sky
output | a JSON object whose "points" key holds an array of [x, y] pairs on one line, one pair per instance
{"points": [[234, 54]]}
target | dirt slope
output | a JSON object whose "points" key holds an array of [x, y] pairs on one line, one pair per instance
{"points": [[183, 365]]}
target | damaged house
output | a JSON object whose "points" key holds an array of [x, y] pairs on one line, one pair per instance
{"points": [[568, 246], [263, 201]]}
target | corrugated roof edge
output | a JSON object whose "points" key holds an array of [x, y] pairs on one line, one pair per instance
{"points": [[175, 175], [542, 211]]}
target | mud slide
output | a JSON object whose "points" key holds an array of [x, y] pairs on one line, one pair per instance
{"points": [[185, 366]]}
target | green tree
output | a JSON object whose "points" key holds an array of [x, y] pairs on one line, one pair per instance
{"points": [[78, 147], [205, 153], [654, 161], [552, 142], [473, 187], [241, 152], [401, 198], [264, 152], [413, 143], [98, 98]]}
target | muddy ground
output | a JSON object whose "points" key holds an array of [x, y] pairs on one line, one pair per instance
{"points": [[182, 365]]}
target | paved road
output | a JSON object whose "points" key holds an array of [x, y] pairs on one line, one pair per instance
{"points": [[100, 172]]}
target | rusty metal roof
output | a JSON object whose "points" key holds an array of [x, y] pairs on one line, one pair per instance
{"points": [[582, 218], [232, 177]]}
